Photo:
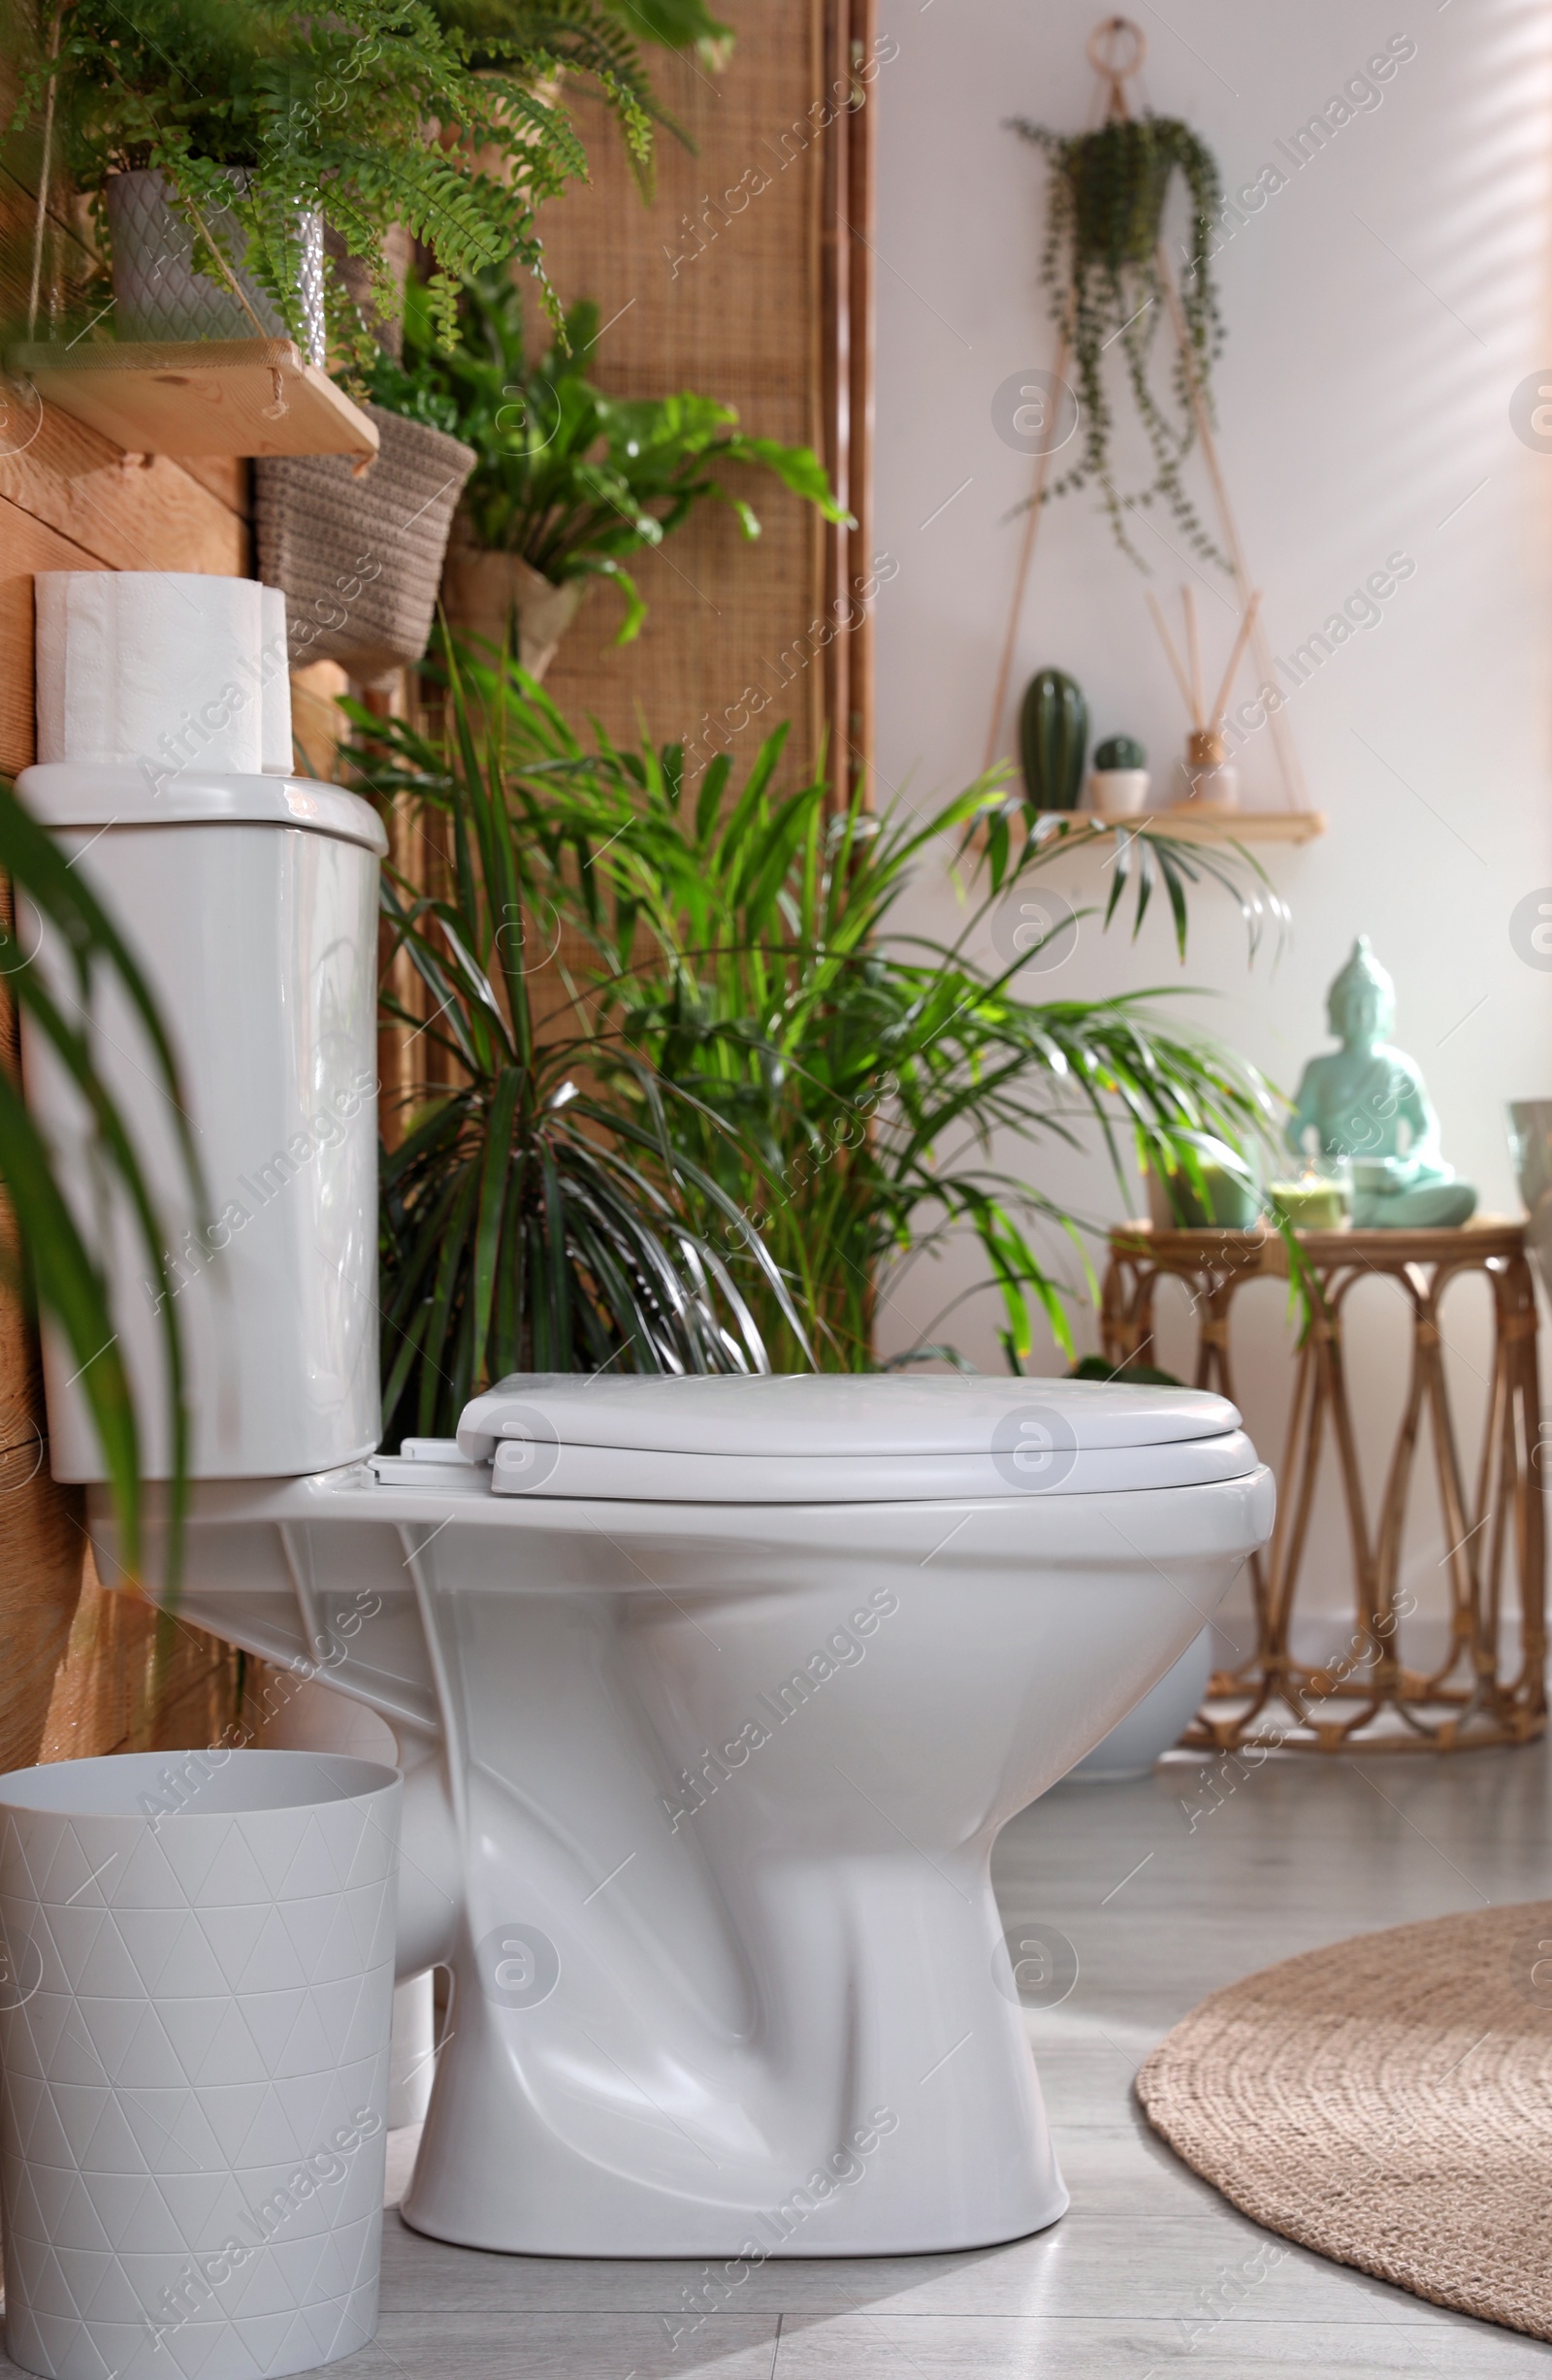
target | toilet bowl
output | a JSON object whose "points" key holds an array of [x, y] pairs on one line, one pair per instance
{"points": [[711, 1694], [705, 1772]]}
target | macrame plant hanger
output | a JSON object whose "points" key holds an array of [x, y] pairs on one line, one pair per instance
{"points": [[1117, 51]]}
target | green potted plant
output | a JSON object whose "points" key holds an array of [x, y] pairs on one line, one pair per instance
{"points": [[1104, 269], [569, 484], [751, 1007], [1118, 782], [211, 134]]}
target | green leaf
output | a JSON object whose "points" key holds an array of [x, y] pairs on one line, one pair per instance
{"points": [[57, 993]]}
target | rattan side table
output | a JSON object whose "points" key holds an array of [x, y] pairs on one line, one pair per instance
{"points": [[1371, 1700]]}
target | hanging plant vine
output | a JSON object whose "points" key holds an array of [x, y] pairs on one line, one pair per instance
{"points": [[1102, 266]]}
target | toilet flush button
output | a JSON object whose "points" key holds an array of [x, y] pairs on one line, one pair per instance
{"points": [[523, 1460]]}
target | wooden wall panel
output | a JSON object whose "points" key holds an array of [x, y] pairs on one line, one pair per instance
{"points": [[715, 286], [71, 500], [135, 1680], [42, 1539], [128, 511]]}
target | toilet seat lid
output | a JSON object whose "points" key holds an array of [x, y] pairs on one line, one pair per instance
{"points": [[829, 1438]]}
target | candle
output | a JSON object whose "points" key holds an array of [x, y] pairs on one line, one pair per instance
{"points": [[1309, 1204]]}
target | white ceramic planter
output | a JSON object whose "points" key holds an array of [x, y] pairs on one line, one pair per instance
{"points": [[194, 2012], [158, 293], [1117, 793]]}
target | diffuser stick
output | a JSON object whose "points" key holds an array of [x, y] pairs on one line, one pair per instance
{"points": [[1194, 649], [1172, 656], [1246, 626]]}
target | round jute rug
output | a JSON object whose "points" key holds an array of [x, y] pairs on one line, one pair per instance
{"points": [[1388, 2103]]}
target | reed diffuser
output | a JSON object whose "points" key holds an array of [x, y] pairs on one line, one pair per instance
{"points": [[1212, 781]]}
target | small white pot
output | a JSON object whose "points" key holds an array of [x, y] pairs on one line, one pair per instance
{"points": [[1117, 793], [194, 1991]]}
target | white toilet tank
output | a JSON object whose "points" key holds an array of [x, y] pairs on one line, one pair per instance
{"points": [[251, 904]]}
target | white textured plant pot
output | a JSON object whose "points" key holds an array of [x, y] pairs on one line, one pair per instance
{"points": [[159, 295], [1117, 793], [195, 1992]]}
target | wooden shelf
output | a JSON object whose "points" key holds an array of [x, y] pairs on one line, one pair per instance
{"points": [[194, 396], [1209, 826]]}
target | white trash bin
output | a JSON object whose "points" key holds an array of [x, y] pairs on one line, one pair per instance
{"points": [[195, 1996]]}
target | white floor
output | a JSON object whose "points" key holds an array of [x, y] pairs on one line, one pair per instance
{"points": [[1149, 2270]]}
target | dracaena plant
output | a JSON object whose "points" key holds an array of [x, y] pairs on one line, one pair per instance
{"points": [[549, 1208], [855, 1094], [573, 481], [54, 1269], [387, 113]]}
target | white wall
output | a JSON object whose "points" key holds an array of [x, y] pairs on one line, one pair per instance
{"points": [[1382, 309]]}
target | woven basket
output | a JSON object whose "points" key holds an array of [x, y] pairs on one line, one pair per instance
{"points": [[360, 559]]}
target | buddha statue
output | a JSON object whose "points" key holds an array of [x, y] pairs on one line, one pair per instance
{"points": [[1367, 1102]]}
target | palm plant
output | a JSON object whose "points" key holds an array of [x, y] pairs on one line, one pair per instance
{"points": [[57, 1272], [838, 1084], [544, 1208]]}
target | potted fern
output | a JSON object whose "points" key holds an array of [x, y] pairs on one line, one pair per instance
{"points": [[210, 135], [213, 135], [569, 483]]}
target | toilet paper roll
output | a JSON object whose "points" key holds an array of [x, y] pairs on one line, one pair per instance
{"points": [[157, 667], [274, 667]]}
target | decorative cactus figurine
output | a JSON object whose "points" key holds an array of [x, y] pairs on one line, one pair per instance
{"points": [[1119, 785], [1053, 739], [1120, 752]]}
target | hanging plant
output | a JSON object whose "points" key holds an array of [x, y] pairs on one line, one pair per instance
{"points": [[1104, 269]]}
